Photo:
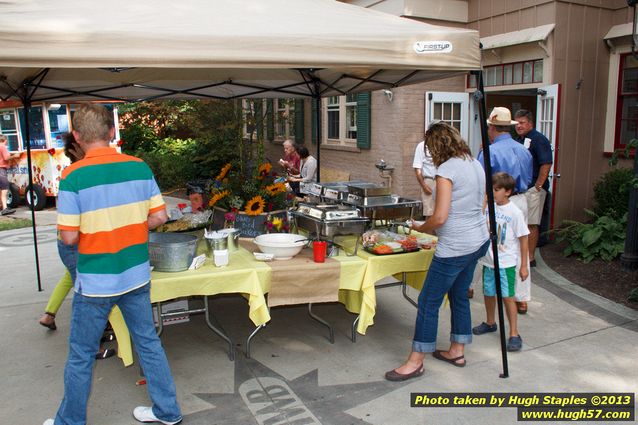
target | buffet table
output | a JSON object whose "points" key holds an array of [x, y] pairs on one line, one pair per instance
{"points": [[253, 279], [412, 265]]}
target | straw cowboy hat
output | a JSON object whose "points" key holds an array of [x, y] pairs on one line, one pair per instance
{"points": [[501, 116]]}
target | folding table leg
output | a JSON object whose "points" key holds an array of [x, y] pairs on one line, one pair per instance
{"points": [[219, 331], [323, 322], [160, 320], [404, 289], [354, 329], [250, 337]]}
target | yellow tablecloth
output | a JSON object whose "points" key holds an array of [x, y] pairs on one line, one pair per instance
{"points": [[243, 275], [416, 264]]}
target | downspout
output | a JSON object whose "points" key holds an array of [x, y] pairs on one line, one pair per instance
{"points": [[317, 97]]}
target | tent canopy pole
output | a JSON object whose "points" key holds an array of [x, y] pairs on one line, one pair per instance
{"points": [[480, 96]]}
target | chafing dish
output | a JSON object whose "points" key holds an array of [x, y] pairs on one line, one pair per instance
{"points": [[385, 207], [364, 189], [329, 220]]}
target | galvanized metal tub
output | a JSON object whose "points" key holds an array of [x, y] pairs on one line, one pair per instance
{"points": [[171, 252]]}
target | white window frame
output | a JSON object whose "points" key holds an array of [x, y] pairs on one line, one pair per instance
{"points": [[342, 107]]}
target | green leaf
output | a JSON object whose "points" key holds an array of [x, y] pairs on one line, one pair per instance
{"points": [[591, 236]]}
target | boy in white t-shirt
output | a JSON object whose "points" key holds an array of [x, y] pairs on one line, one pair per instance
{"points": [[511, 236]]}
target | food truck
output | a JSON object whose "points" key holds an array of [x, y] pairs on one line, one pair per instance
{"points": [[48, 123]]}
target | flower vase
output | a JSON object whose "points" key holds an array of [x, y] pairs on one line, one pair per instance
{"points": [[248, 225]]}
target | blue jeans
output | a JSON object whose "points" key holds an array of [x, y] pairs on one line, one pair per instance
{"points": [[451, 276], [88, 318], [69, 256]]}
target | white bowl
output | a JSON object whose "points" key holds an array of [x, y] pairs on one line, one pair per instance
{"points": [[283, 246]]}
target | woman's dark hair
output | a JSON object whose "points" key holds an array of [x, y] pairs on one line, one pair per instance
{"points": [[71, 147], [303, 151], [445, 142]]}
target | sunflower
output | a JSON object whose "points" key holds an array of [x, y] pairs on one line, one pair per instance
{"points": [[217, 197], [275, 188], [223, 172], [255, 206], [264, 168]]}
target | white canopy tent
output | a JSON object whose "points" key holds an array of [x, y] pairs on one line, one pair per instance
{"points": [[136, 50], [74, 50]]}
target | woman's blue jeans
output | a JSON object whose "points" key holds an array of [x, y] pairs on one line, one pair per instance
{"points": [[88, 318], [451, 276]]}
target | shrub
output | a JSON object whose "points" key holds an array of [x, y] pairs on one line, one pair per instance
{"points": [[603, 238], [611, 192], [172, 170]]}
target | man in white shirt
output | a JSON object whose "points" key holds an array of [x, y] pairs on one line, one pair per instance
{"points": [[425, 174]]}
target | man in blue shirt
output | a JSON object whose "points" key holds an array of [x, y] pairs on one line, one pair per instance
{"points": [[509, 156], [506, 154], [542, 159]]}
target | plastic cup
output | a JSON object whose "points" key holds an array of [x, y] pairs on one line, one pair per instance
{"points": [[319, 251]]}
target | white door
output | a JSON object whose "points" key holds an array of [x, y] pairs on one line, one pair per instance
{"points": [[451, 107], [547, 121]]}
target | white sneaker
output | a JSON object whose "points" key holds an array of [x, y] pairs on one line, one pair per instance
{"points": [[48, 422], [145, 414]]}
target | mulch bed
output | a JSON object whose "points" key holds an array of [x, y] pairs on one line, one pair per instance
{"points": [[608, 279]]}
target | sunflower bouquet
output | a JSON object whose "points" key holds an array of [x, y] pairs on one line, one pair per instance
{"points": [[252, 192]]}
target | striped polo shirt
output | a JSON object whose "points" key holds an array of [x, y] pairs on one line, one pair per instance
{"points": [[107, 197]]}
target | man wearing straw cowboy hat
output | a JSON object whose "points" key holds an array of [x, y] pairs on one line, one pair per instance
{"points": [[509, 156]]}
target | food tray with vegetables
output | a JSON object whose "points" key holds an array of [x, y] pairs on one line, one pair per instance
{"points": [[387, 243]]}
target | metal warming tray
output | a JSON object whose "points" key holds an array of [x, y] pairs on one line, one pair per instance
{"points": [[364, 189], [392, 207], [329, 221]]}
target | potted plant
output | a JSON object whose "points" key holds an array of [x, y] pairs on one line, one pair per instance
{"points": [[249, 199]]}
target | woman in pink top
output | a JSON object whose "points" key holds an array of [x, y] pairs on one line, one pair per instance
{"points": [[5, 160]]}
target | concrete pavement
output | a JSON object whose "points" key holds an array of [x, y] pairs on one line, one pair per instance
{"points": [[574, 341]]}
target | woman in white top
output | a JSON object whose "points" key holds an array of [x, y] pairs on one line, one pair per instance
{"points": [[307, 168]]}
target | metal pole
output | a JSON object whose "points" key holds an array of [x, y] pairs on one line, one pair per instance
{"points": [[480, 96], [629, 258], [27, 132], [317, 98]]}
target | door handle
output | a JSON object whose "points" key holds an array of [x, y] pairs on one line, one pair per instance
{"points": [[557, 175]]}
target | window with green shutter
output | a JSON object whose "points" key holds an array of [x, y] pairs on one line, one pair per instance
{"points": [[347, 120], [363, 120]]}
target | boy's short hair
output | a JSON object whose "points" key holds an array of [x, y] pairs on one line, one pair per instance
{"points": [[503, 181], [93, 122]]}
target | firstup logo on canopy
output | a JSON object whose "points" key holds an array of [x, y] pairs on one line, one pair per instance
{"points": [[424, 47]]}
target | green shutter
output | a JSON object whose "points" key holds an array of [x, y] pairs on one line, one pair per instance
{"points": [[259, 124], [270, 120], [315, 104], [299, 120], [363, 120]]}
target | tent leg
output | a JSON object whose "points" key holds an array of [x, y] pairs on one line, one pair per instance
{"points": [[27, 110], [317, 98], [480, 97]]}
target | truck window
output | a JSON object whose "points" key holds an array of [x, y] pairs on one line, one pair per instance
{"points": [[58, 124], [36, 127], [9, 128]]}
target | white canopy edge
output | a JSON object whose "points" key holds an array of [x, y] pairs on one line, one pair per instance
{"points": [[219, 48]]}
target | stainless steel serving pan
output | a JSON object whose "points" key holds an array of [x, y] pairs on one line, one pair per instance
{"points": [[368, 189]]}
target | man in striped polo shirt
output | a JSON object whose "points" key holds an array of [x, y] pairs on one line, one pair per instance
{"points": [[106, 204]]}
